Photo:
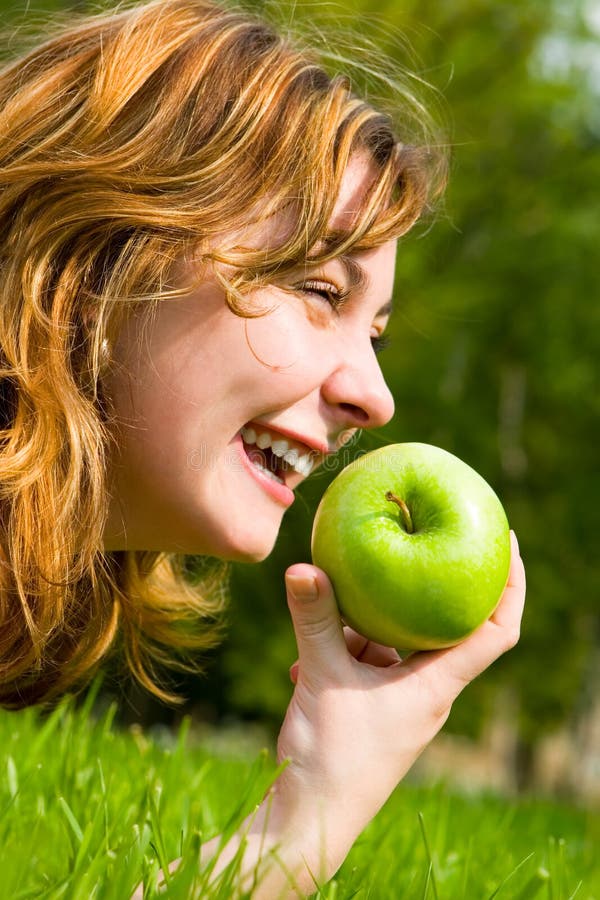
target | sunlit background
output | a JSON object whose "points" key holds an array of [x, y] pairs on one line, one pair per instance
{"points": [[494, 356]]}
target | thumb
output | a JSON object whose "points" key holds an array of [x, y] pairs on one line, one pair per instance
{"points": [[316, 619]]}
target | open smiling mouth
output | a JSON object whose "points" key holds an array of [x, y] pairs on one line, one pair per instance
{"points": [[267, 462], [280, 459]]}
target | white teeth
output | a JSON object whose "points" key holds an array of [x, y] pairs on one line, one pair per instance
{"points": [[263, 440], [280, 448], [268, 472], [304, 465], [292, 457]]}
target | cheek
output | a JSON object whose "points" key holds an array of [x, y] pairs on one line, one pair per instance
{"points": [[284, 339]]}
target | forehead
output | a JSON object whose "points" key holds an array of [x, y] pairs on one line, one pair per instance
{"points": [[270, 238], [356, 181], [262, 229]]}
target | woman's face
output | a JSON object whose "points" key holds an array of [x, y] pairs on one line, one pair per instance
{"points": [[204, 398]]}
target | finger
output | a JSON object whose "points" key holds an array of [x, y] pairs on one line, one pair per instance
{"points": [[363, 650], [356, 644], [512, 601], [316, 619], [502, 630], [366, 651], [379, 655], [457, 666]]}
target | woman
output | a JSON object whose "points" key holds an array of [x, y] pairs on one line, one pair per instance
{"points": [[199, 232]]}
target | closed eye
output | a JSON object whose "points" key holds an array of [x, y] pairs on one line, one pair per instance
{"points": [[324, 289], [336, 297]]}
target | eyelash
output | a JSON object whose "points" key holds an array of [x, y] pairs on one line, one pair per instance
{"points": [[380, 342], [330, 292], [336, 297]]}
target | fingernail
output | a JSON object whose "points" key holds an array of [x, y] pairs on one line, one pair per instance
{"points": [[514, 537], [302, 587]]}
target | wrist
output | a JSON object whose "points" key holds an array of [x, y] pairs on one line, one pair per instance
{"points": [[307, 832], [287, 849]]}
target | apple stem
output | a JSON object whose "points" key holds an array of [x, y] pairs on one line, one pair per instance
{"points": [[408, 522]]}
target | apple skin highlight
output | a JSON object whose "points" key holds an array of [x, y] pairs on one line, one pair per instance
{"points": [[420, 590]]}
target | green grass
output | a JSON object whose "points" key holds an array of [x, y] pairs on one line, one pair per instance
{"points": [[87, 811]]}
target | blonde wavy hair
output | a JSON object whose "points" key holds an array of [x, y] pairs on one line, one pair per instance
{"points": [[127, 139]]}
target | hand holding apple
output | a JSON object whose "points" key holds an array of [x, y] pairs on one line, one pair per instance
{"points": [[358, 719], [360, 716], [416, 545]]}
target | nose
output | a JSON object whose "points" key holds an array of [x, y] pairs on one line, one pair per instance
{"points": [[357, 393]]}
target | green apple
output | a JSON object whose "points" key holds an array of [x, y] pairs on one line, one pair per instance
{"points": [[416, 544]]}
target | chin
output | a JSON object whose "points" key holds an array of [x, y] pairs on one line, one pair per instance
{"points": [[254, 549], [248, 554]]}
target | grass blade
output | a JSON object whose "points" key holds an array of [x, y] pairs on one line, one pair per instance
{"points": [[531, 889], [510, 875], [71, 819], [429, 856]]}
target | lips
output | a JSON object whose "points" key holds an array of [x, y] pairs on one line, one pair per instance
{"points": [[304, 443], [269, 481]]}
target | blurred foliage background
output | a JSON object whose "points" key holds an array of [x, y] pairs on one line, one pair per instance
{"points": [[494, 353]]}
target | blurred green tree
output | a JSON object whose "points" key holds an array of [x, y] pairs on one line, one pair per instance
{"points": [[495, 344]]}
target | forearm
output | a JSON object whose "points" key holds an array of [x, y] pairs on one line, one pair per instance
{"points": [[286, 855], [283, 854]]}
